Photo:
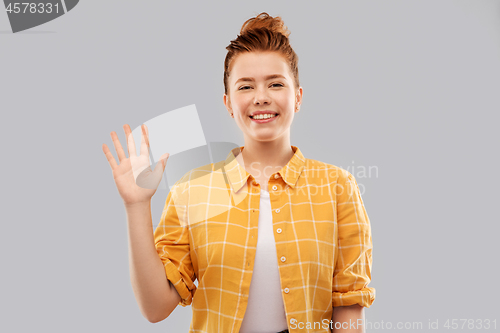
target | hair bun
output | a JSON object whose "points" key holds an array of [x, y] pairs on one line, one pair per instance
{"points": [[262, 33], [263, 20]]}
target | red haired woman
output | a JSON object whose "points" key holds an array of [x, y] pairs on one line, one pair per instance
{"points": [[278, 242]]}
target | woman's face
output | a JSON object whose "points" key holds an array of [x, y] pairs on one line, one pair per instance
{"points": [[261, 81]]}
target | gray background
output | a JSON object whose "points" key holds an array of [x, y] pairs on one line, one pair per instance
{"points": [[410, 87]]}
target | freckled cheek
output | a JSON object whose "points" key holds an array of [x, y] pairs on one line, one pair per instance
{"points": [[240, 107], [286, 107], [243, 104], [286, 102]]}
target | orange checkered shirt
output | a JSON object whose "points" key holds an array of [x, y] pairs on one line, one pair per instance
{"points": [[208, 231]]}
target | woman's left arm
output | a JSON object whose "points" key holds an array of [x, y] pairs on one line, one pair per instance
{"points": [[351, 292], [348, 319]]}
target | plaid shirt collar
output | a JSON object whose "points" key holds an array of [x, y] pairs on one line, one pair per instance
{"points": [[238, 176]]}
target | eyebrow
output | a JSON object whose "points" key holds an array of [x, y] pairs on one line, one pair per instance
{"points": [[269, 77]]}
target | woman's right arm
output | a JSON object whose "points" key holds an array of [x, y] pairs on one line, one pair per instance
{"points": [[156, 296], [136, 184]]}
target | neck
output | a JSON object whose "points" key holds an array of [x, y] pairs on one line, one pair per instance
{"points": [[265, 157]]}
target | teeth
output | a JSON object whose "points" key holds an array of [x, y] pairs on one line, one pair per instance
{"points": [[263, 116]]}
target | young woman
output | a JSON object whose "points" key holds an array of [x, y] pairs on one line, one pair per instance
{"points": [[276, 241]]}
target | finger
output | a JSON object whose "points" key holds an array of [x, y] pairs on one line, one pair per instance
{"points": [[144, 141], [147, 134], [130, 140], [160, 166], [109, 156], [164, 159], [118, 146]]}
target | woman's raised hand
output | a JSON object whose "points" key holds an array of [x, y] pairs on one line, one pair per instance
{"points": [[135, 180]]}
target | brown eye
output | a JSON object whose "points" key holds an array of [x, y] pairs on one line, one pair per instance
{"points": [[243, 87], [277, 85]]}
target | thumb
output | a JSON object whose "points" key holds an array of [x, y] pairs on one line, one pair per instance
{"points": [[160, 166]]}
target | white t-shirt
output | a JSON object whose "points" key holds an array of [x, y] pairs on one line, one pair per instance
{"points": [[265, 312]]}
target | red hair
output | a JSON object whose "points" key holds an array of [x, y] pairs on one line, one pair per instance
{"points": [[262, 33]]}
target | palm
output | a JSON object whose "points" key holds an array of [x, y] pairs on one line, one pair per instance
{"points": [[134, 178]]}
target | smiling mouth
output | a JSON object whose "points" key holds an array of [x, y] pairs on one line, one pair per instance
{"points": [[256, 117]]}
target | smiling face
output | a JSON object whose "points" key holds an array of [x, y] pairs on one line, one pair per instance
{"points": [[261, 81]]}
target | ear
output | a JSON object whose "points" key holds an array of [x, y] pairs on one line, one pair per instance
{"points": [[227, 103], [298, 98]]}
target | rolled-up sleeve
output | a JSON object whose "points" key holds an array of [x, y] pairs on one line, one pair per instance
{"points": [[172, 244], [352, 272]]}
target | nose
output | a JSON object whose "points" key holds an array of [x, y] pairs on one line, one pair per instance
{"points": [[261, 96]]}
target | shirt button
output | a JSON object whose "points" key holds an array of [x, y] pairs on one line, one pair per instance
{"points": [[276, 176], [277, 210], [275, 187], [278, 230], [286, 290], [283, 259]]}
